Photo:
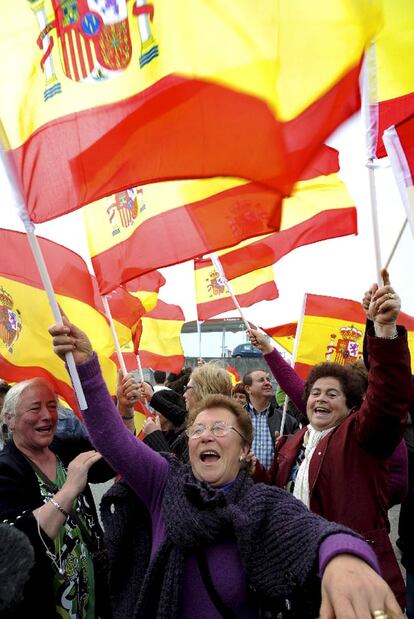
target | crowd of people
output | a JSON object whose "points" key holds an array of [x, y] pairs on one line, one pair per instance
{"points": [[228, 507]]}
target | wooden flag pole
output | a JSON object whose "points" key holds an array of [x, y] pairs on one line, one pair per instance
{"points": [[19, 205]]}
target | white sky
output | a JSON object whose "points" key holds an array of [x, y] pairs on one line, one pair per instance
{"points": [[342, 267]]}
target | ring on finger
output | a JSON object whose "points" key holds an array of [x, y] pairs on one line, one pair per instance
{"points": [[379, 614]]}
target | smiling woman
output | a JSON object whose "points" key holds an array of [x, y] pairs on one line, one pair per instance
{"points": [[217, 536], [42, 481]]}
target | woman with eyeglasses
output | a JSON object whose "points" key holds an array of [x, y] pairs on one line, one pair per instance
{"points": [[221, 545]]}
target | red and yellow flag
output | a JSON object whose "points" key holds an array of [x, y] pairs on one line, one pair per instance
{"points": [[128, 303], [157, 338], [233, 374], [102, 96], [390, 71], [25, 345], [319, 208], [399, 143], [213, 298], [333, 330], [284, 335]]}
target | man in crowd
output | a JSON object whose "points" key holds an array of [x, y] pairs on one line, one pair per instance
{"points": [[160, 378], [266, 418]]}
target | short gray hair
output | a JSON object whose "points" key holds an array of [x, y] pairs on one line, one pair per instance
{"points": [[14, 395]]}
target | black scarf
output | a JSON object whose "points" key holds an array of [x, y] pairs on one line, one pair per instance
{"points": [[277, 537]]}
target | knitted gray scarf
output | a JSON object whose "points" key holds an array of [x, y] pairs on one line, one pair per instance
{"points": [[265, 522]]}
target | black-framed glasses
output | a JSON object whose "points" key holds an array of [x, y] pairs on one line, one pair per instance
{"points": [[187, 387], [218, 429]]}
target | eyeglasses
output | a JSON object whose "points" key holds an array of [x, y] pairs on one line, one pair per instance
{"points": [[187, 387], [218, 429]]}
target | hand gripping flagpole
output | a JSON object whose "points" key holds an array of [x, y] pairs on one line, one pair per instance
{"points": [[19, 204], [293, 361], [216, 261]]}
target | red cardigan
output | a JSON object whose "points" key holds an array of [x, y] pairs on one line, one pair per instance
{"points": [[348, 473]]}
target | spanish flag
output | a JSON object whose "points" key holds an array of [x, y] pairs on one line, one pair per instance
{"points": [[25, 345], [399, 143], [162, 224], [319, 208], [333, 330], [284, 335], [213, 297], [128, 303], [157, 338], [391, 72], [103, 96]]}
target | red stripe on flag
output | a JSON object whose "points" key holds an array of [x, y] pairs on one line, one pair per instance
{"points": [[105, 145], [17, 373], [333, 307], [264, 292], [392, 112], [264, 252], [286, 330]]}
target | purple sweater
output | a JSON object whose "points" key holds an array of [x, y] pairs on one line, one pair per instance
{"points": [[146, 472]]}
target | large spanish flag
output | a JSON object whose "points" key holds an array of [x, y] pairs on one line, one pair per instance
{"points": [[333, 330], [391, 72], [157, 338], [25, 345], [103, 96], [213, 298], [142, 229], [319, 208]]}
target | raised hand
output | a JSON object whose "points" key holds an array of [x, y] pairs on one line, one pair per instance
{"points": [[77, 474], [128, 390], [67, 337], [151, 424], [259, 340], [384, 307]]}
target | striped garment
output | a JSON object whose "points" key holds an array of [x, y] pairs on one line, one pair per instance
{"points": [[262, 445]]}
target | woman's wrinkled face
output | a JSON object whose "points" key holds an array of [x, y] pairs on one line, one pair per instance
{"points": [[214, 459], [34, 424], [326, 406]]}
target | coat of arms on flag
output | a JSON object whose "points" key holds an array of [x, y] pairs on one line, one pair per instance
{"points": [[10, 321]]}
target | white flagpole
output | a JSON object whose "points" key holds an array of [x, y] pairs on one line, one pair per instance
{"points": [[293, 360], [397, 240], [114, 335], [216, 261], [370, 115], [199, 338], [19, 204]]}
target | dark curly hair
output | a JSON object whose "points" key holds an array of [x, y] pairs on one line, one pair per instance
{"points": [[352, 383]]}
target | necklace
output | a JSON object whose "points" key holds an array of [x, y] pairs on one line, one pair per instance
{"points": [[56, 560]]}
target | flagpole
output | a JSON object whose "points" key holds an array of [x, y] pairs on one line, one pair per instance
{"points": [[20, 207], [216, 261], [199, 338], [114, 336], [369, 89], [397, 241], [293, 359]]}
